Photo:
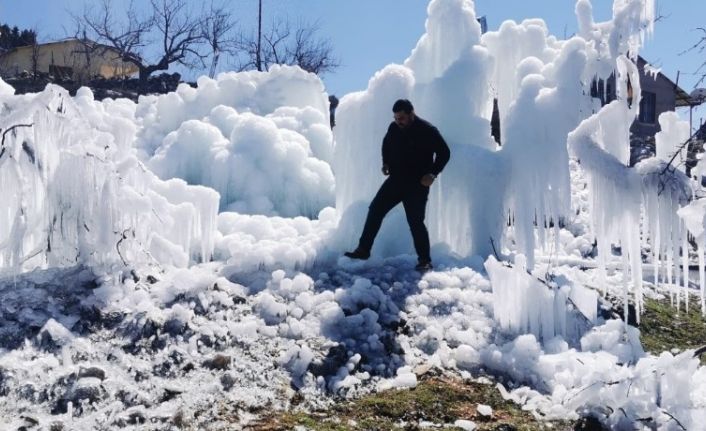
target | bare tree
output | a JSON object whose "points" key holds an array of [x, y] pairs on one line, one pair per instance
{"points": [[282, 43], [35, 57], [175, 30], [311, 53], [699, 47], [216, 30]]}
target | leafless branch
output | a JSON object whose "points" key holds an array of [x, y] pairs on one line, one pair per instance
{"points": [[699, 46], [216, 31], [170, 25], [8, 130], [123, 237], [284, 43]]}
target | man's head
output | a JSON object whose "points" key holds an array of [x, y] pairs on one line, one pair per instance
{"points": [[403, 112]]}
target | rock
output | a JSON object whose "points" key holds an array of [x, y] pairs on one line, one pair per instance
{"points": [[88, 389], [218, 362], [91, 372], [174, 327], [227, 381], [135, 417], [7, 380], [589, 423], [30, 423], [53, 335], [28, 392], [336, 357], [170, 394]]}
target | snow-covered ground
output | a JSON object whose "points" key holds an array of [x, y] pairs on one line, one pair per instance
{"points": [[175, 262]]}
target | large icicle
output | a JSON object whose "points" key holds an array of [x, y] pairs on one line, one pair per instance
{"points": [[77, 193]]}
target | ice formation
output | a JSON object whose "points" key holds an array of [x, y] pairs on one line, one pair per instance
{"points": [[541, 84], [525, 304], [186, 218], [77, 193], [262, 141]]}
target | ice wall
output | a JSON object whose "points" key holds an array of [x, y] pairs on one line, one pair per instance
{"points": [[619, 193], [523, 305], [546, 109], [262, 140], [75, 192]]}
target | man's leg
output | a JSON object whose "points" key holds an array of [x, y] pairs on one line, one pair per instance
{"points": [[387, 197], [415, 205]]}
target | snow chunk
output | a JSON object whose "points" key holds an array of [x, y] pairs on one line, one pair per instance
{"points": [[484, 410], [465, 425]]}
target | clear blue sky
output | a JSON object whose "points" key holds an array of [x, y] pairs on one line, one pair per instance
{"points": [[368, 34]]}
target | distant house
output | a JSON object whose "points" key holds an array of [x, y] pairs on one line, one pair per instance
{"points": [[70, 58], [659, 94]]}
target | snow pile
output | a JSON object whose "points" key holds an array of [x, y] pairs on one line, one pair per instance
{"points": [[124, 329], [252, 242], [76, 191], [262, 140], [610, 380]]}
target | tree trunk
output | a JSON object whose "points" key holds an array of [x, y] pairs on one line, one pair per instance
{"points": [[258, 54]]}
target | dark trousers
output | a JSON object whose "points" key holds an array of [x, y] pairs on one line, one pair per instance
{"points": [[413, 196]]}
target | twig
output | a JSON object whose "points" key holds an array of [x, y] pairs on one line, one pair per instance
{"points": [[495, 252], [599, 382], [677, 151], [674, 419], [117, 245], [4, 134], [544, 282], [700, 351]]}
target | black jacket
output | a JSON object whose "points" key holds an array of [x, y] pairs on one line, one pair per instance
{"points": [[414, 152]]}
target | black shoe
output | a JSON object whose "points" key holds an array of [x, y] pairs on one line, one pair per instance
{"points": [[424, 266], [358, 253]]}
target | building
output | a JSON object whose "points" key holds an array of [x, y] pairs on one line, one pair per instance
{"points": [[75, 59], [659, 94]]}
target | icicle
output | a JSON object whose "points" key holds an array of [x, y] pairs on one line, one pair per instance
{"points": [[685, 265], [669, 265], [626, 284], [702, 274]]}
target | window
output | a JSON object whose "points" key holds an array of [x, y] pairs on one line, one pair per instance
{"points": [[648, 107], [604, 89]]}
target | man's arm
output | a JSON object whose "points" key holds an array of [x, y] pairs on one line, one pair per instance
{"points": [[442, 154], [386, 153]]}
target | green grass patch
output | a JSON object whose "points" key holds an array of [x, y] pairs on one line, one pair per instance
{"points": [[663, 327], [435, 399]]}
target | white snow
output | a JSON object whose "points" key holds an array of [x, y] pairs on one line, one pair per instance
{"points": [[178, 259], [484, 410]]}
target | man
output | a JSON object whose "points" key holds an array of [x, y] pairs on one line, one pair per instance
{"points": [[413, 154]]}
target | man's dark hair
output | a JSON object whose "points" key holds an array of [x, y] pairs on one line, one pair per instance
{"points": [[403, 105]]}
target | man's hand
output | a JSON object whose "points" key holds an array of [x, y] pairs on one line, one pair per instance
{"points": [[385, 170], [428, 179]]}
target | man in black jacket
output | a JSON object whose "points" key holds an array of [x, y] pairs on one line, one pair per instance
{"points": [[413, 154]]}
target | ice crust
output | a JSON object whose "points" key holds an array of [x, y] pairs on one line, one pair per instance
{"points": [[178, 258]]}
